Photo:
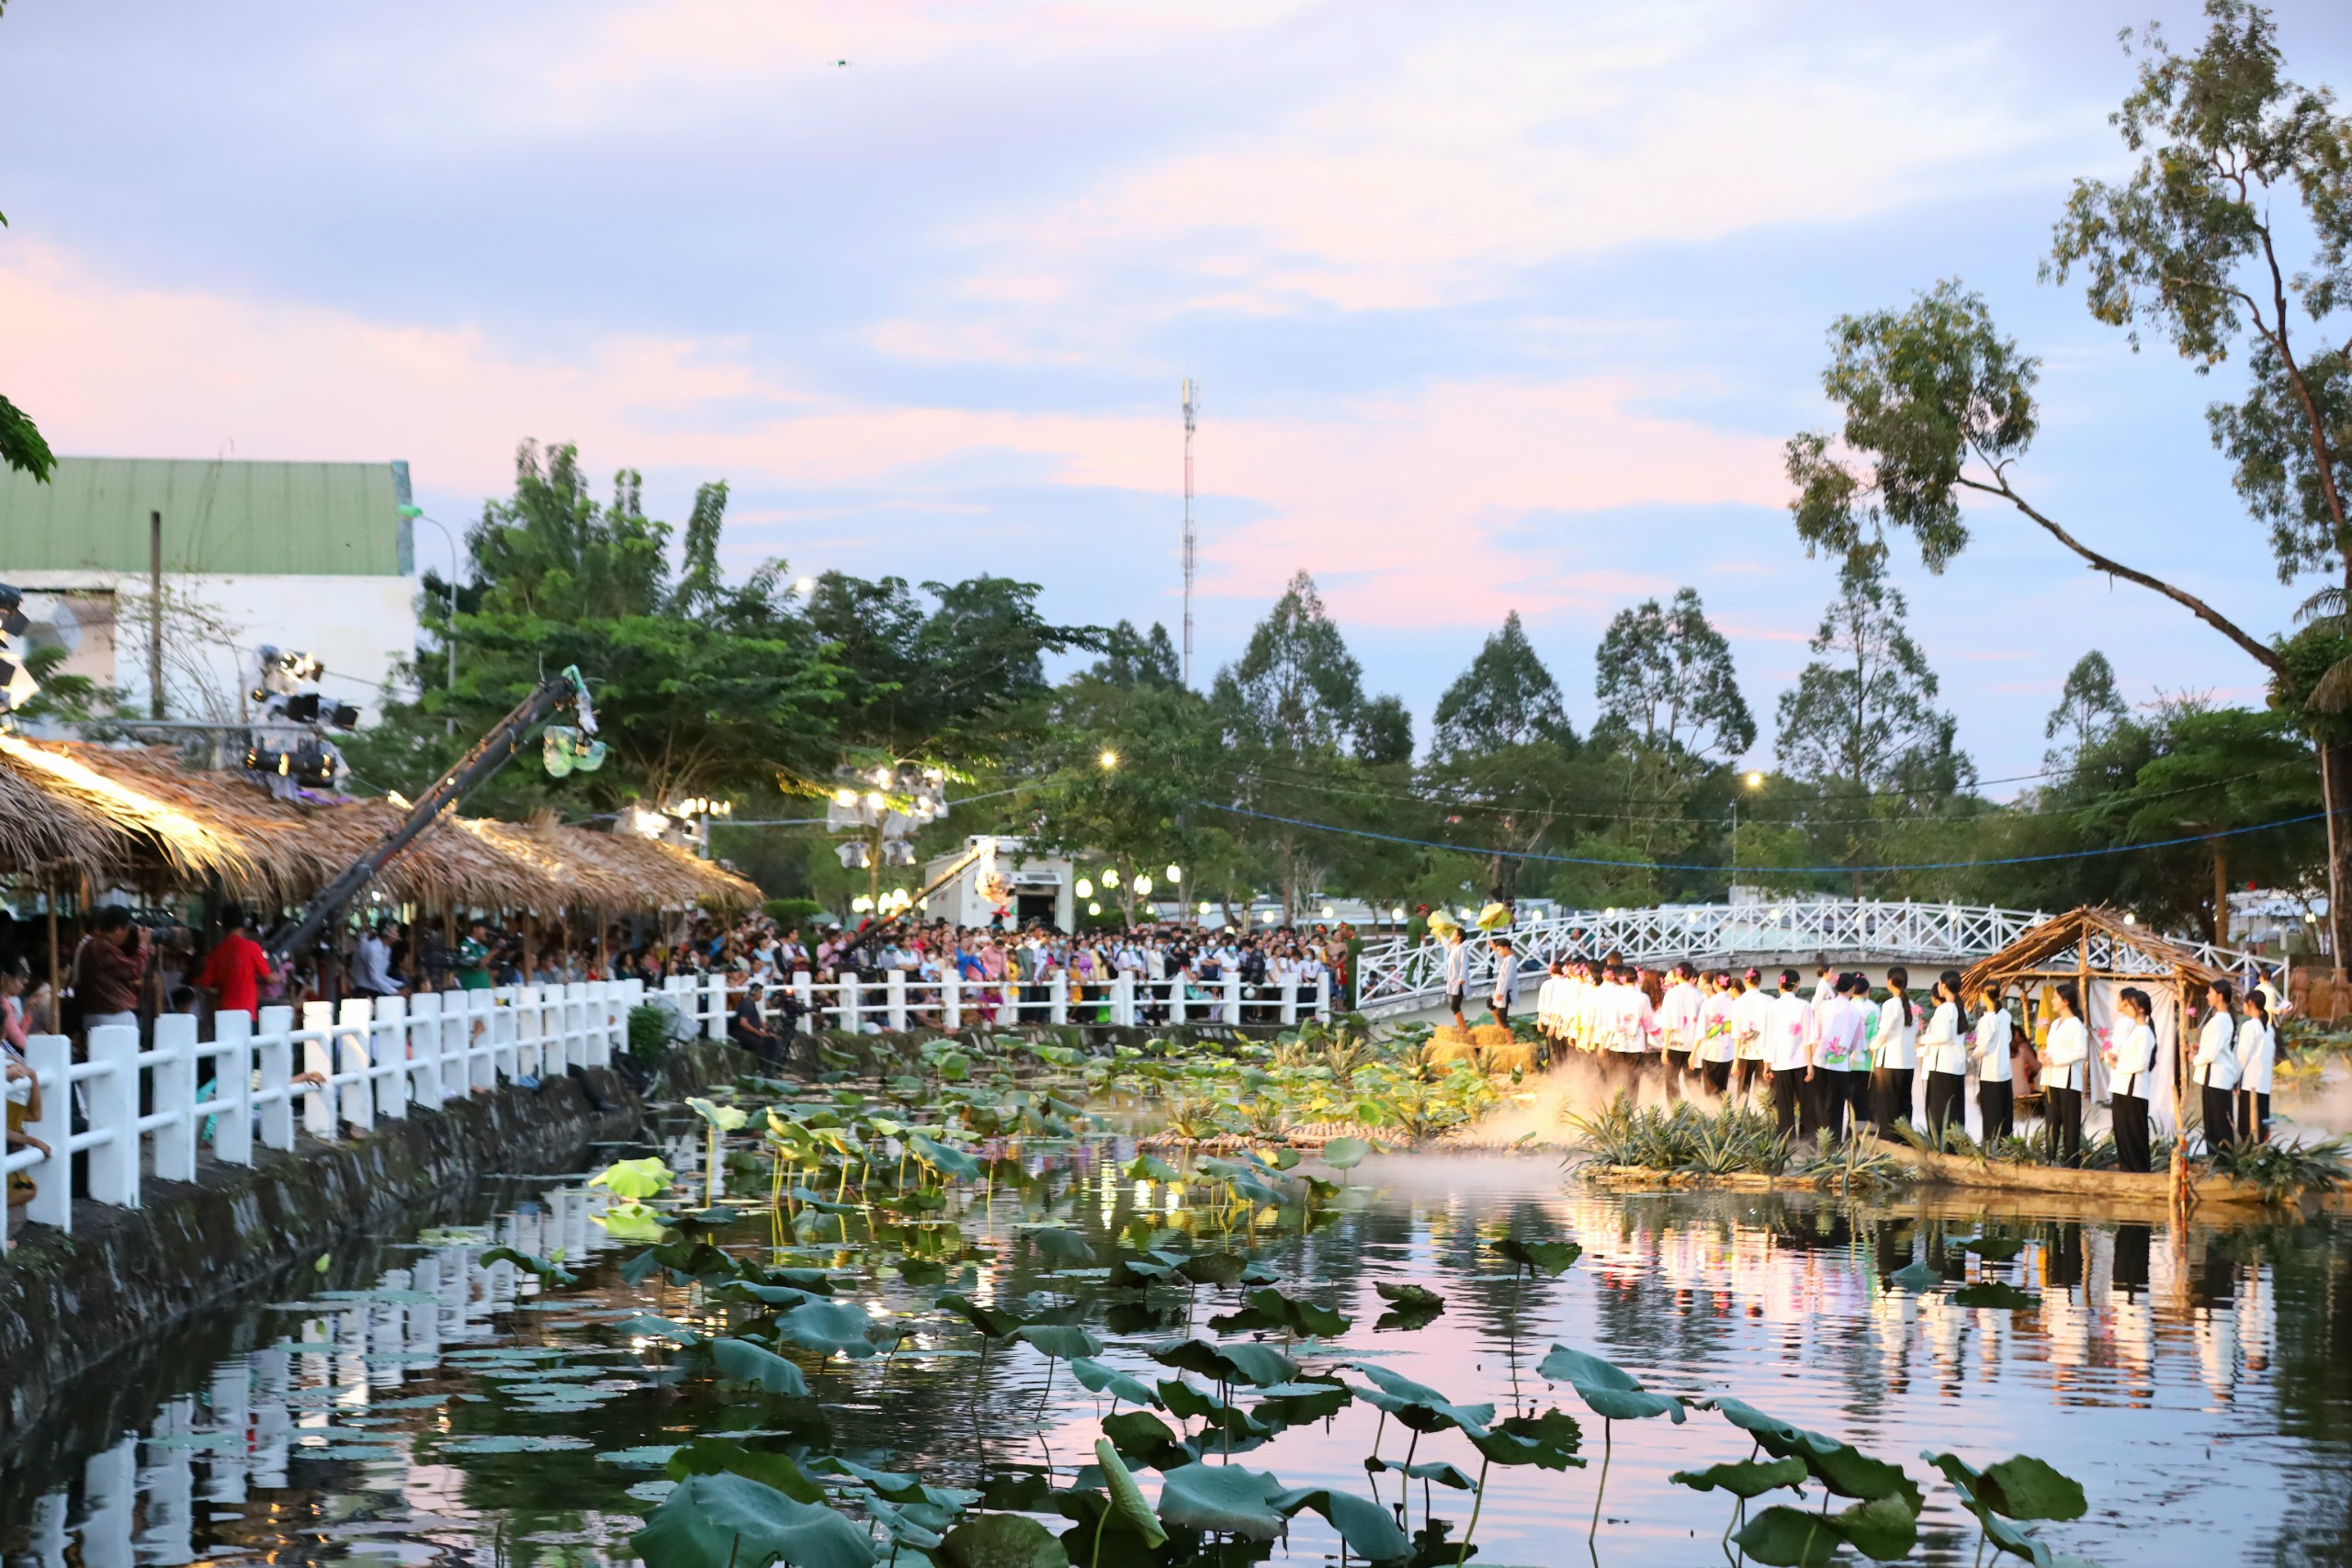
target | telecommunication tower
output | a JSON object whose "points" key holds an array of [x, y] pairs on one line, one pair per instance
{"points": [[1191, 406]]}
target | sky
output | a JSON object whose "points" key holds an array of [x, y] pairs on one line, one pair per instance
{"points": [[1500, 307]]}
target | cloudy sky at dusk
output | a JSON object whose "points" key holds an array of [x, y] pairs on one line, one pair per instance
{"points": [[1494, 306]]}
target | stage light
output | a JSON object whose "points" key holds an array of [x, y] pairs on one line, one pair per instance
{"points": [[1084, 889], [1093, 909], [1142, 885], [1204, 906], [1175, 875], [1108, 758], [1110, 876]]}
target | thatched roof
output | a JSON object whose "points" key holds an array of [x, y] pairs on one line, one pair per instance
{"points": [[133, 815], [2094, 941]]}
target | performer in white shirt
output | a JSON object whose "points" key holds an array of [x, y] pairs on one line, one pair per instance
{"points": [[1943, 1055], [1678, 1023], [2258, 1047], [1748, 1023], [1457, 973], [1989, 1048], [1896, 1050], [1506, 989], [1787, 1056], [2215, 1069], [1632, 1025], [2131, 1058], [2065, 1068], [1715, 1039], [1843, 1056]]}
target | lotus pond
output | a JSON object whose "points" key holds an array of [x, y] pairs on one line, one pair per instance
{"points": [[898, 1330]]}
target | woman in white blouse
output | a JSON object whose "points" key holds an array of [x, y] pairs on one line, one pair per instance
{"points": [[1896, 1047], [1943, 1055], [2066, 1052], [2131, 1058], [1989, 1049], [2257, 1048], [2215, 1069]]}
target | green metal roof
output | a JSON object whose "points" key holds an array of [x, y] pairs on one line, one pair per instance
{"points": [[322, 519]]}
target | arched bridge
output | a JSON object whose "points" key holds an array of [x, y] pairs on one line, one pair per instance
{"points": [[1394, 976]]}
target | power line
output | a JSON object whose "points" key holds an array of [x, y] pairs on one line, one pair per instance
{"points": [[1772, 870]]}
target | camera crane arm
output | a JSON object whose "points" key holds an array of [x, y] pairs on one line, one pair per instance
{"points": [[982, 855], [472, 770]]}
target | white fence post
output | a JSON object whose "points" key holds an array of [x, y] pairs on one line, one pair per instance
{"points": [[505, 1033], [1122, 998], [1176, 1002], [1290, 1000], [715, 1007], [274, 1054], [420, 1026], [1323, 997], [232, 1088], [894, 994], [804, 986], [1058, 998], [1233, 998], [951, 999], [51, 1057], [175, 1086], [318, 1056], [849, 1008], [349, 1043], [113, 1102]]}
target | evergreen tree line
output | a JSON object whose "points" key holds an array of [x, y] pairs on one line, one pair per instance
{"points": [[1287, 775]]}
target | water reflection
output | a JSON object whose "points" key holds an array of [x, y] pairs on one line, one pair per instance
{"points": [[2197, 1381]]}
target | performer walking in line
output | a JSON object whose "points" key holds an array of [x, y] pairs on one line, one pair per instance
{"points": [[1840, 1031], [1788, 1057], [1678, 1022], [1715, 1040], [1995, 1091], [2131, 1058], [1748, 1023], [1943, 1053], [2257, 1050], [2066, 1067], [1896, 1050], [2215, 1070]]}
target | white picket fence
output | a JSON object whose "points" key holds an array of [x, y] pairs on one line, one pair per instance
{"points": [[375, 1060], [899, 1001]]}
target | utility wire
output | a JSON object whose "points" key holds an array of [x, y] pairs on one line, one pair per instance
{"points": [[1762, 869]]}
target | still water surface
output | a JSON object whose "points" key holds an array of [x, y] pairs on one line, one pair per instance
{"points": [[430, 1410]]}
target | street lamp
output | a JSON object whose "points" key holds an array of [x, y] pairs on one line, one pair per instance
{"points": [[1751, 783], [1108, 758], [416, 515]]}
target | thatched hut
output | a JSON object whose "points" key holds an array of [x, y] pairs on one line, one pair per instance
{"points": [[75, 818]]}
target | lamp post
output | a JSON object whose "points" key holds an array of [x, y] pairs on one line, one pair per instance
{"points": [[416, 515]]}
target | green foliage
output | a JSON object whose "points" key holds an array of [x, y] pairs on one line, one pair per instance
{"points": [[732, 1521], [21, 445], [2284, 1172]]}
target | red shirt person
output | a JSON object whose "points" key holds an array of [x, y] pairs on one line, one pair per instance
{"points": [[236, 970]]}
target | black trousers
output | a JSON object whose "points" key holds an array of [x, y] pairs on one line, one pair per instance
{"points": [[1832, 1093], [2129, 1114], [1891, 1096], [2063, 1110], [1787, 1088], [1678, 1075], [1996, 1105], [2221, 1117], [1750, 1070], [1718, 1076], [2254, 1116], [1947, 1093]]}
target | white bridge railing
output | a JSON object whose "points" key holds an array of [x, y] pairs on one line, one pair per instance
{"points": [[901, 1001], [340, 1067], [1396, 976]]}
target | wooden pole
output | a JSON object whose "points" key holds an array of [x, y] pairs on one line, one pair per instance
{"points": [[154, 614], [56, 981]]}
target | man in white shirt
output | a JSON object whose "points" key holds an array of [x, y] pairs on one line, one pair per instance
{"points": [[371, 965], [1505, 981], [1457, 974]]}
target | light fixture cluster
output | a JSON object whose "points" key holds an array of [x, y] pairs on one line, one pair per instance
{"points": [[18, 686], [286, 746], [1139, 882]]}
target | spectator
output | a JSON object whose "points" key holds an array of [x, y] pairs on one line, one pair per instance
{"points": [[473, 958], [109, 968], [371, 963], [237, 971]]}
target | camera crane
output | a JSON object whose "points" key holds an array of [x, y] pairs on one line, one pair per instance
{"points": [[982, 855], [568, 689]]}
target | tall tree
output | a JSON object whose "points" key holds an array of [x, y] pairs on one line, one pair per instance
{"points": [[22, 447], [1507, 697], [1304, 740], [1503, 758], [1861, 723], [2231, 233], [2089, 707], [1665, 679]]}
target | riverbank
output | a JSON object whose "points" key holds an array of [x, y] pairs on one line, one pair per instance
{"points": [[68, 1303]]}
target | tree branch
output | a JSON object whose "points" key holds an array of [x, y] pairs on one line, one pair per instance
{"points": [[2260, 652]]}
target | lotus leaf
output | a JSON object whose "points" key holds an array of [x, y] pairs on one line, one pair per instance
{"points": [[732, 1521]]}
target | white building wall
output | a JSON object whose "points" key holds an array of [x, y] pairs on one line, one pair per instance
{"points": [[361, 627]]}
